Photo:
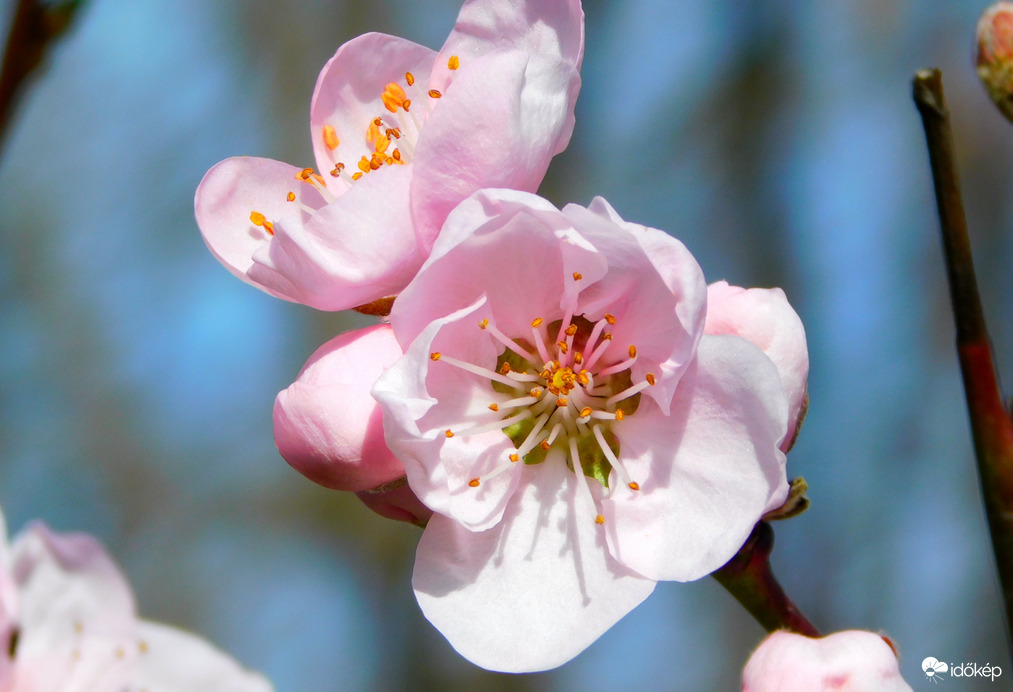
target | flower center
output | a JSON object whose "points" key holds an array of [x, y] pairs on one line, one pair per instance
{"points": [[389, 138], [562, 388]]}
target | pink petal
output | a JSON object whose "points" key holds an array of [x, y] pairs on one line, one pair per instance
{"points": [[652, 278], [707, 472], [851, 661], [327, 424], [497, 125], [533, 592], [77, 618], [764, 317], [397, 502], [175, 661], [552, 30], [348, 91], [468, 262], [357, 249], [439, 467], [230, 192]]}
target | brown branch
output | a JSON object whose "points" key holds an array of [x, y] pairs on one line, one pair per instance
{"points": [[748, 577], [991, 426], [33, 27]]}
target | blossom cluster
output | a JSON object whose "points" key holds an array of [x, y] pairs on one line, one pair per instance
{"points": [[556, 395]]}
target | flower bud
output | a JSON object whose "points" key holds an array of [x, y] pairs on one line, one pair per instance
{"points": [[852, 661], [327, 424], [994, 59], [396, 501]]}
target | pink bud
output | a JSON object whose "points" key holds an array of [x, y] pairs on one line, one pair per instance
{"points": [[396, 501], [852, 661], [994, 57], [327, 425]]}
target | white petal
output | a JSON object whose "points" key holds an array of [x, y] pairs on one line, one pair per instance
{"points": [[533, 592]]}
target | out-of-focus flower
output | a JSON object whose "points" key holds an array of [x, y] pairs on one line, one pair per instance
{"points": [[764, 317], [67, 622], [576, 433], [401, 134], [851, 661], [994, 58]]}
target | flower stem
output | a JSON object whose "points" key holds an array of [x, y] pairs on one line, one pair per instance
{"points": [[748, 577], [33, 26], [991, 425]]}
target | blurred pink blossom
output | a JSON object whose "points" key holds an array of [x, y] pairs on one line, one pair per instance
{"points": [[401, 134], [68, 624], [852, 661], [576, 433]]}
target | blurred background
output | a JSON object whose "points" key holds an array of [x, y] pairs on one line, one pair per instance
{"points": [[777, 140]]}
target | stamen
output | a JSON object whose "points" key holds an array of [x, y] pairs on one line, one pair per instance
{"points": [[582, 488], [454, 62], [494, 407], [509, 343], [433, 93], [630, 391], [330, 137], [258, 219], [494, 425], [577, 276], [624, 476], [620, 366], [410, 78], [448, 433], [475, 369], [531, 440], [393, 97], [473, 483], [290, 197]]}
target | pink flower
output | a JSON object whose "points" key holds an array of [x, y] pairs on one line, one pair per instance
{"points": [[764, 317], [401, 134], [850, 661], [576, 433], [67, 623]]}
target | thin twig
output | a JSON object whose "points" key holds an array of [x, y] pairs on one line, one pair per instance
{"points": [[33, 27], [991, 426], [748, 577]]}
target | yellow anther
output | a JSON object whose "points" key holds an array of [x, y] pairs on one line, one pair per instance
{"points": [[577, 276], [433, 93], [561, 402], [290, 196], [650, 379], [578, 357], [373, 131], [619, 414], [585, 412], [633, 485], [356, 175], [364, 165], [599, 520], [515, 457], [269, 227], [256, 218], [396, 155], [304, 175], [571, 330], [607, 336], [407, 103], [536, 392], [448, 433], [435, 355], [331, 137], [410, 78], [454, 62], [494, 407], [393, 97], [483, 324], [633, 351], [537, 322], [544, 444], [504, 369], [563, 348], [381, 145], [473, 483], [609, 318]]}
